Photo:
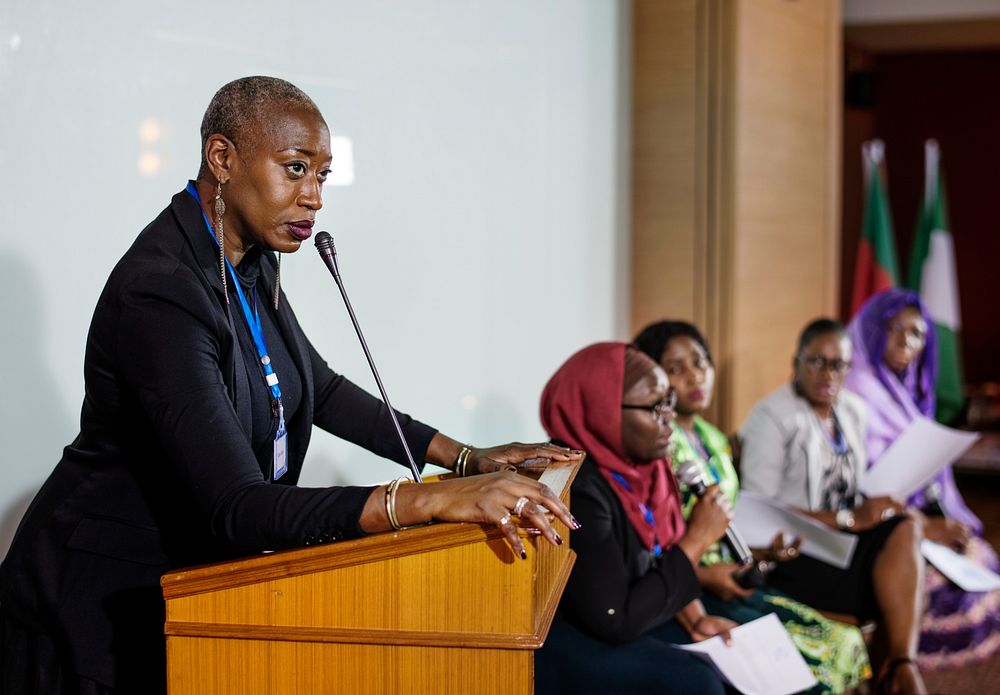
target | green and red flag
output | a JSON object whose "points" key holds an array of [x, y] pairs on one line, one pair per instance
{"points": [[876, 268], [932, 273]]}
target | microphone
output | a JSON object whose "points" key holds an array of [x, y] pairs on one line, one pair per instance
{"points": [[691, 475], [328, 252], [932, 500]]}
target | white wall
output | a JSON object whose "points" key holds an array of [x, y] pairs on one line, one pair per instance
{"points": [[482, 241]]}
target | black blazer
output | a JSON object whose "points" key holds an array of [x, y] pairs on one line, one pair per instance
{"points": [[617, 590], [162, 473]]}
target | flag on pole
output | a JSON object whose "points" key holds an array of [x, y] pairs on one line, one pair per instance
{"points": [[932, 274], [876, 268]]}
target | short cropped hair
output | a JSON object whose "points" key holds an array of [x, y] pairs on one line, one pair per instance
{"points": [[820, 326], [243, 102], [653, 339]]}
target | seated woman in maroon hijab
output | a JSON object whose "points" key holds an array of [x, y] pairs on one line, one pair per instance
{"points": [[633, 591]]}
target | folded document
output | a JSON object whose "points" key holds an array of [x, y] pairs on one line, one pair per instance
{"points": [[762, 660], [759, 519]]}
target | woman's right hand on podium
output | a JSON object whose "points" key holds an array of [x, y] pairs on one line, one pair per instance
{"points": [[492, 498]]}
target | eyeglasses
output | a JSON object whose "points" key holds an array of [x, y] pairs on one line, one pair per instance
{"points": [[664, 410], [913, 333], [817, 364]]}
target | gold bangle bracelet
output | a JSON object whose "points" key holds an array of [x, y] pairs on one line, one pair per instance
{"points": [[462, 461], [389, 512], [390, 505], [463, 468], [390, 502]]}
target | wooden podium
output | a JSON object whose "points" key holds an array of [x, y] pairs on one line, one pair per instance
{"points": [[445, 608]]}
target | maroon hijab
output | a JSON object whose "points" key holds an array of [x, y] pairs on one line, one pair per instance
{"points": [[581, 407]]}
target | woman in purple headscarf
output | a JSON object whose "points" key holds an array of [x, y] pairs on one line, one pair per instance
{"points": [[894, 370]]}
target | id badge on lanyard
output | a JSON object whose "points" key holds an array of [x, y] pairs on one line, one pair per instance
{"points": [[279, 464], [279, 460]]}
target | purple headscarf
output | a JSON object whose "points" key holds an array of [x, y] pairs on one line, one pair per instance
{"points": [[894, 400]]}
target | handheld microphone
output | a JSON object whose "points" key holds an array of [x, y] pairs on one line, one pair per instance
{"points": [[691, 475], [932, 500], [328, 252]]}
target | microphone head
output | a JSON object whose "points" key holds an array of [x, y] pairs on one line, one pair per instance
{"points": [[324, 242], [690, 474]]}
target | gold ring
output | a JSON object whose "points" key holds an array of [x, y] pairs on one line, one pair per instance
{"points": [[519, 505]]}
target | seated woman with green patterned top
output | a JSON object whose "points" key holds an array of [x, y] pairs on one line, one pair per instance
{"points": [[835, 652]]}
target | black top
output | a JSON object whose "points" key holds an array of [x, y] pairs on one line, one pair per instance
{"points": [[165, 472], [264, 421], [618, 590]]}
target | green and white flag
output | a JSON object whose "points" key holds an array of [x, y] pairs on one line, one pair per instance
{"points": [[932, 274]]}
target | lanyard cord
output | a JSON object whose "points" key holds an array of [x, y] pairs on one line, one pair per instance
{"points": [[647, 513], [252, 317]]}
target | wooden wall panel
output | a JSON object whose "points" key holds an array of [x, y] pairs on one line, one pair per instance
{"points": [[739, 229], [786, 120], [665, 161]]}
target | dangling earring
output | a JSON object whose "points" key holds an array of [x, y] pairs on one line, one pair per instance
{"points": [[277, 283], [220, 210]]}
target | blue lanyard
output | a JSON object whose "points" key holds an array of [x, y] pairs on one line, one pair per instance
{"points": [[253, 321], [647, 513], [837, 442]]}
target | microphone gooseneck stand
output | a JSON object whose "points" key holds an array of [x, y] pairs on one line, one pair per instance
{"points": [[328, 252]]}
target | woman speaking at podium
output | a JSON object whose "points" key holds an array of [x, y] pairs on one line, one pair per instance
{"points": [[201, 393]]}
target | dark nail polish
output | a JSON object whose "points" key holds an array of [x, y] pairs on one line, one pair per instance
{"points": [[524, 555], [576, 524], [559, 540]]}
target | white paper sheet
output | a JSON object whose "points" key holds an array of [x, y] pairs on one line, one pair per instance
{"points": [[960, 569], [759, 519], [762, 659], [556, 477], [924, 448]]}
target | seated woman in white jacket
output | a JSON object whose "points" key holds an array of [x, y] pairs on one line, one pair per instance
{"points": [[804, 446]]}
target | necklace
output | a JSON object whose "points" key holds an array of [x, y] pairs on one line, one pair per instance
{"points": [[834, 435], [694, 441]]}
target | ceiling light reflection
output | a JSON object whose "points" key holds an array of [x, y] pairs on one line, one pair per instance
{"points": [[149, 131], [148, 164]]}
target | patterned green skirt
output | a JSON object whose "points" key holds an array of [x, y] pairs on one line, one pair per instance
{"points": [[835, 652]]}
